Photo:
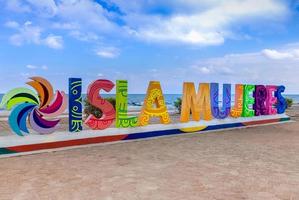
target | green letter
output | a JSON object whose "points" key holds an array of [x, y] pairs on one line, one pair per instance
{"points": [[248, 100], [122, 118]]}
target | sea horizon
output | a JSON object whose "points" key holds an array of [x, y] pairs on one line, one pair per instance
{"points": [[138, 99]]}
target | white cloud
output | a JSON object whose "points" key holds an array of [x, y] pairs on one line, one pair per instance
{"points": [[205, 22], [31, 66], [29, 34], [279, 55], [90, 36], [65, 26], [244, 68], [88, 14], [34, 67], [83, 20], [200, 22], [53, 41], [17, 6], [45, 7], [108, 52], [26, 34], [212, 69], [254, 68], [203, 70], [12, 24], [44, 67]]}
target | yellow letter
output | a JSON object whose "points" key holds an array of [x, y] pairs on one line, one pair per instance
{"points": [[236, 111], [198, 104], [155, 96]]}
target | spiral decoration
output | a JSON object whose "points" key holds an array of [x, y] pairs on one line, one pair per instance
{"points": [[36, 108]]}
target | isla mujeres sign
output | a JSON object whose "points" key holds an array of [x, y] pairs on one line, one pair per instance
{"points": [[39, 107]]}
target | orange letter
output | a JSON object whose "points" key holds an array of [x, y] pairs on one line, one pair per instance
{"points": [[236, 111], [155, 96], [198, 104]]}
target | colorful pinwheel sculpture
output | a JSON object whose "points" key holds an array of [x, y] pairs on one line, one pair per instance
{"points": [[38, 108]]}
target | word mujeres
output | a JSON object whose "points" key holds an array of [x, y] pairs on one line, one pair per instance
{"points": [[42, 106]]}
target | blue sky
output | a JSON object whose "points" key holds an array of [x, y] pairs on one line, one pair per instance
{"points": [[225, 41]]}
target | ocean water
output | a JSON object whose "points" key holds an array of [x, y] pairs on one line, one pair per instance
{"points": [[136, 100]]}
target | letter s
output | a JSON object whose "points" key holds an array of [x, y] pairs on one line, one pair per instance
{"points": [[93, 95], [281, 101]]}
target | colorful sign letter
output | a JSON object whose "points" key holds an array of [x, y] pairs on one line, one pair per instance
{"points": [[122, 118], [248, 100], [281, 101], [94, 98], [226, 100], [271, 100], [236, 111], [75, 104], [154, 96], [260, 96], [196, 103]]}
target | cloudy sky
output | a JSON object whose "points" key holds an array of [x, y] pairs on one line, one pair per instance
{"points": [[231, 41]]}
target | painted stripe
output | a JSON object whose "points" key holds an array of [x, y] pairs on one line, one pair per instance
{"points": [[153, 134], [4, 151], [14, 150], [53, 145], [261, 122]]}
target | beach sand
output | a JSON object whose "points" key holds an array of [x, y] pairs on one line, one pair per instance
{"points": [[252, 163]]}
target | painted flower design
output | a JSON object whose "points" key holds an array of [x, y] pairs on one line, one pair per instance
{"points": [[38, 107]]}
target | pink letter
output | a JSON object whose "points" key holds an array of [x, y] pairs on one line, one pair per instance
{"points": [[96, 100], [271, 100]]}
